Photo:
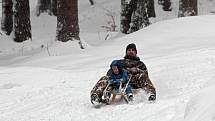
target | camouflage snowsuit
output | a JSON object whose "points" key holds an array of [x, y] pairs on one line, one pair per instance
{"points": [[139, 79]]}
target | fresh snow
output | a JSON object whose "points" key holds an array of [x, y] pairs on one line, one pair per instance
{"points": [[201, 106], [53, 84]]}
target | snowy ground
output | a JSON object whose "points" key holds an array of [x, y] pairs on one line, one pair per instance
{"points": [[179, 54]]}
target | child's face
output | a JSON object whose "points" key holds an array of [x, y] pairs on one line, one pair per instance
{"points": [[115, 70]]}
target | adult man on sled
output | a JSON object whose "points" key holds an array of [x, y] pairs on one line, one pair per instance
{"points": [[135, 68]]}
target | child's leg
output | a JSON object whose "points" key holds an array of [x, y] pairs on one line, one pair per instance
{"points": [[129, 93], [128, 90]]}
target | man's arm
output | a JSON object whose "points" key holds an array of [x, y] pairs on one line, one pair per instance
{"points": [[139, 68], [142, 66]]}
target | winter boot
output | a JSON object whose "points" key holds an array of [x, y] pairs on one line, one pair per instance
{"points": [[95, 99], [106, 101], [106, 98], [130, 97]]}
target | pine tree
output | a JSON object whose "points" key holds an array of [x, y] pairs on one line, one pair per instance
{"points": [[91, 2], [7, 16], [67, 21], [188, 8], [127, 8], [49, 6], [43, 6], [22, 24], [54, 7], [139, 17], [166, 4], [150, 8], [135, 14]]}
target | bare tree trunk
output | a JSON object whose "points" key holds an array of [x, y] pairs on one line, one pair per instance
{"points": [[67, 21], [22, 24], [188, 8], [7, 16]]}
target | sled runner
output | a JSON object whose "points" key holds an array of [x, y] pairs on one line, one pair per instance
{"points": [[121, 91]]}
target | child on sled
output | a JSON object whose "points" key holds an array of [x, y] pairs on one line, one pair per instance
{"points": [[118, 80]]}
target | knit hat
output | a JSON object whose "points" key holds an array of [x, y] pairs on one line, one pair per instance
{"points": [[131, 46]]}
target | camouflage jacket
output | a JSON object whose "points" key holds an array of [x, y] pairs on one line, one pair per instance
{"points": [[133, 65]]}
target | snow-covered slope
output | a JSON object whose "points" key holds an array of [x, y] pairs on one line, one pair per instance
{"points": [[201, 106], [179, 54], [53, 84]]}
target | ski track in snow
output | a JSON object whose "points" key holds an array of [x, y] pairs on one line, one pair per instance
{"points": [[60, 97]]}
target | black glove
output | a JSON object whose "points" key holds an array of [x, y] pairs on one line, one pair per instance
{"points": [[152, 97]]}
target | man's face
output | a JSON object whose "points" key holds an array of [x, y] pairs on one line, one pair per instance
{"points": [[115, 70], [131, 52]]}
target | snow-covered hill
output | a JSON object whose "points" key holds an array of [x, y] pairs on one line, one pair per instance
{"points": [[53, 84]]}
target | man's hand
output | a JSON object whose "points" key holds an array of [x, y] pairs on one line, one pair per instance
{"points": [[152, 97]]}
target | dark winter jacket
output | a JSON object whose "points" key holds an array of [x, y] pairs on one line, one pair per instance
{"points": [[121, 77]]}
